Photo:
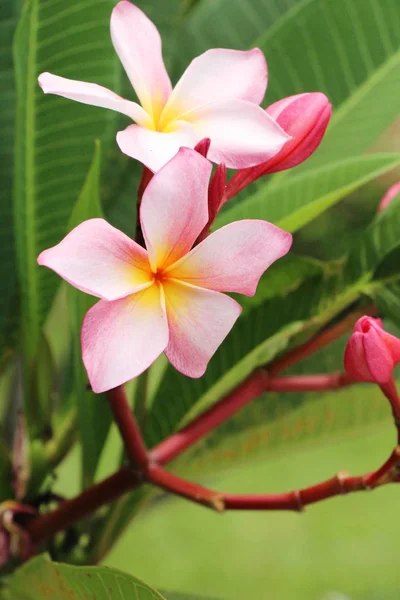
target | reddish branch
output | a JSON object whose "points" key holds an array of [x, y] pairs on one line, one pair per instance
{"points": [[186, 489], [134, 446], [148, 465], [90, 500]]}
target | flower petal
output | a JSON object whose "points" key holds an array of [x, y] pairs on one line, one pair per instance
{"points": [[242, 134], [100, 260], [216, 75], [121, 339], [155, 148], [138, 45], [378, 356], [174, 207], [233, 258], [355, 360], [199, 320], [93, 94]]}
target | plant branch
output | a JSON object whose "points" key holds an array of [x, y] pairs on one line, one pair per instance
{"points": [[127, 425], [186, 489], [309, 383], [91, 499]]}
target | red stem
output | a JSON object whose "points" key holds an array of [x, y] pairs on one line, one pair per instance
{"points": [[309, 383], [128, 427], [186, 489], [91, 499]]}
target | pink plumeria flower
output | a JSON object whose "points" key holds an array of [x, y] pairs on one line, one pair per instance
{"points": [[217, 97], [166, 297]]}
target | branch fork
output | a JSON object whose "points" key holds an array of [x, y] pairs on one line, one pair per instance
{"points": [[147, 466]]}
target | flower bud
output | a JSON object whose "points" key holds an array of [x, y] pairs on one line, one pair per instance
{"points": [[371, 353], [305, 118], [389, 196]]}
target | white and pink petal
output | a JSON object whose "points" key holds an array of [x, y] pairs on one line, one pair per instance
{"points": [[233, 258], [121, 339], [99, 260], [218, 75], [242, 134], [93, 94], [174, 207], [155, 148], [138, 45], [199, 320]]}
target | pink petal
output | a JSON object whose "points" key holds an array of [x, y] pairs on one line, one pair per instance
{"points": [[219, 75], [138, 45], [242, 134], [378, 356], [354, 358], [100, 260], [121, 339], [233, 258], [174, 207], [93, 94], [155, 148], [199, 320]]}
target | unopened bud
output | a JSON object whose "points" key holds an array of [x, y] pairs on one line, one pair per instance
{"points": [[305, 118], [371, 353]]}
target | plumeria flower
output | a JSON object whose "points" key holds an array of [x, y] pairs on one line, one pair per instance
{"points": [[217, 97], [166, 297]]}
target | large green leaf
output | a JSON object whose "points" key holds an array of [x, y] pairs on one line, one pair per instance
{"points": [[295, 202], [348, 49], [94, 415], [54, 136], [9, 11], [41, 579]]}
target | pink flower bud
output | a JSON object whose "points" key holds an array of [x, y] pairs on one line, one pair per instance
{"points": [[389, 196], [371, 353], [305, 118]]}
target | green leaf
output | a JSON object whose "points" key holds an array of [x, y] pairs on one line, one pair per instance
{"points": [[94, 415], [301, 198], [41, 579], [54, 136], [348, 49], [6, 491], [9, 13], [41, 399]]}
